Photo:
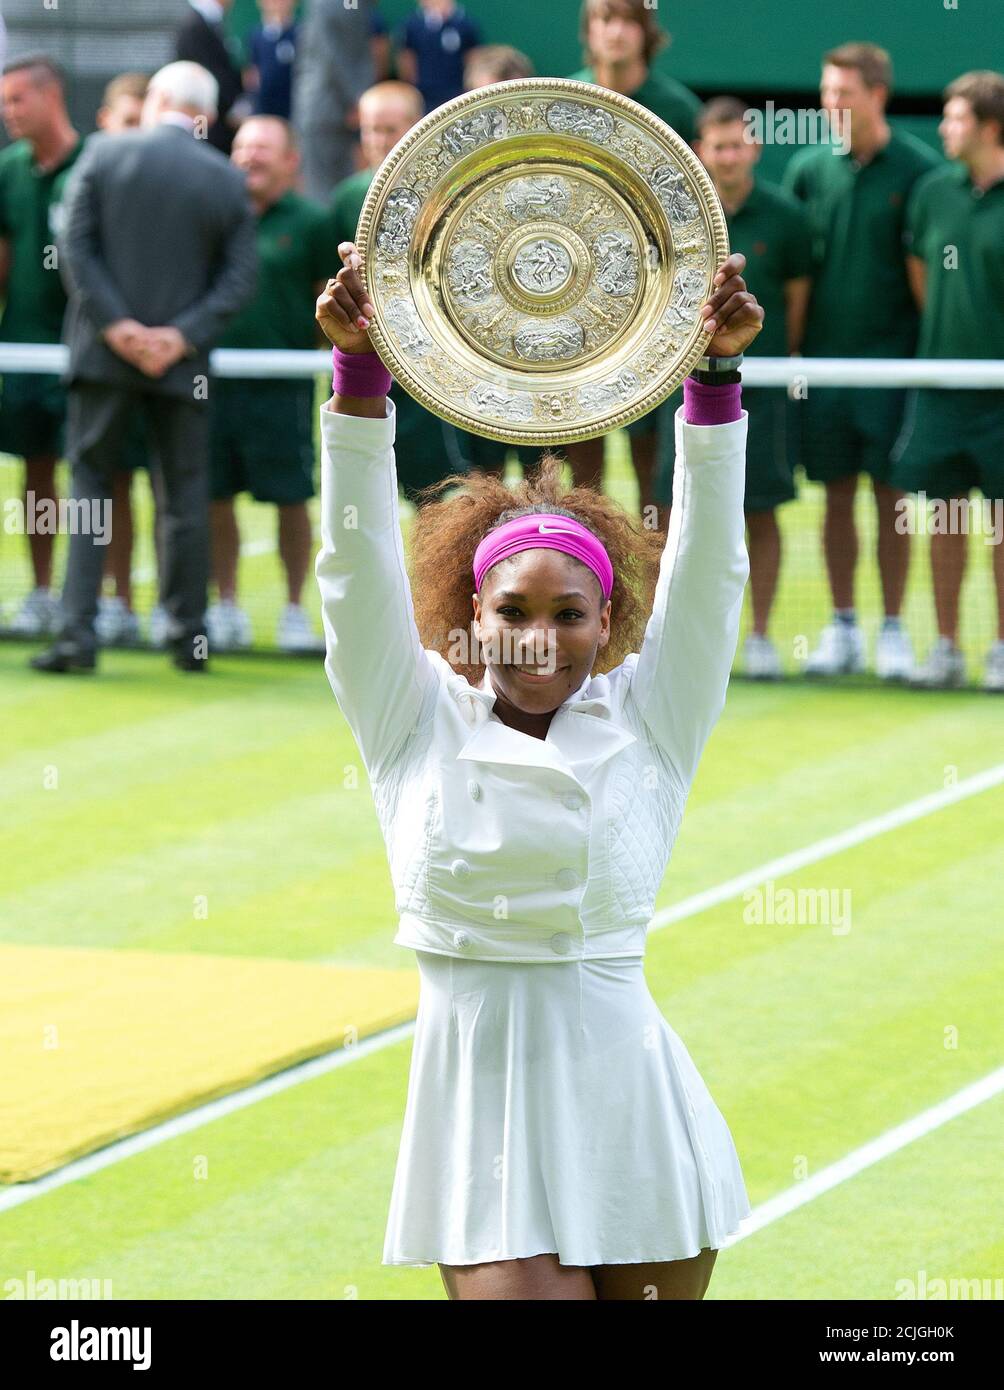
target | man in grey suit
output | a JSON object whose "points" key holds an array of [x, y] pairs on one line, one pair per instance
{"points": [[332, 69], [158, 252]]}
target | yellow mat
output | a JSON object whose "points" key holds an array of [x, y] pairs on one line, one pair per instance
{"points": [[95, 1045]]}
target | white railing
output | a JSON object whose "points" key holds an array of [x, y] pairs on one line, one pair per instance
{"points": [[960, 375]]}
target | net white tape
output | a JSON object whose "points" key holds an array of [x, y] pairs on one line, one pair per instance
{"points": [[968, 374]]}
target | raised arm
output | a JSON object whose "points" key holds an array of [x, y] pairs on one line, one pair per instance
{"points": [[681, 674], [375, 662], [682, 671]]}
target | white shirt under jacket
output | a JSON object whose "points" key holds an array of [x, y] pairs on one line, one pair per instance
{"points": [[503, 846]]}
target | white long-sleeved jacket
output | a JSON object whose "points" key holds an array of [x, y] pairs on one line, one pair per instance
{"points": [[504, 846]]}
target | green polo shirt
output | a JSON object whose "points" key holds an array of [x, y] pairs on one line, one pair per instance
{"points": [[296, 249], [347, 203], [666, 98], [31, 219], [772, 231], [964, 299], [861, 304]]}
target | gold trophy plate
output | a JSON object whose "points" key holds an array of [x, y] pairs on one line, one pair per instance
{"points": [[538, 253]]}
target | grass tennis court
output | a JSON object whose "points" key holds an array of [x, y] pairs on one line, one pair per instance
{"points": [[813, 1042], [230, 819]]}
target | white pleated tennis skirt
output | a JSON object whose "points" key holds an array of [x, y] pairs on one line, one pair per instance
{"points": [[551, 1108]]}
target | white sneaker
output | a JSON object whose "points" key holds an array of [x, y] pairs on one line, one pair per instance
{"points": [[227, 627], [944, 669], [841, 651], [38, 615], [760, 658], [116, 625], [893, 655], [993, 673], [295, 633], [158, 626]]}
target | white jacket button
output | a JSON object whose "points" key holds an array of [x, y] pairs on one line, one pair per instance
{"points": [[572, 800], [475, 790], [460, 868], [561, 943], [461, 940], [566, 878]]}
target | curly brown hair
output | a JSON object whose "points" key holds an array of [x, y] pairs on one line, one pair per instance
{"points": [[445, 534]]}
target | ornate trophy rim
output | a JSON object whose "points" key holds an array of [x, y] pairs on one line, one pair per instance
{"points": [[667, 139]]}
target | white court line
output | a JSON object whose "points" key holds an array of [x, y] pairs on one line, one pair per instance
{"points": [[776, 1207], [833, 844], [876, 1149]]}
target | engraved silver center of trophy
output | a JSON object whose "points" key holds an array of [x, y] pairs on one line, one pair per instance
{"points": [[542, 266], [537, 254]]}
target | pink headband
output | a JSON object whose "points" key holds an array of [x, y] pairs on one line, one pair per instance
{"points": [[545, 529]]}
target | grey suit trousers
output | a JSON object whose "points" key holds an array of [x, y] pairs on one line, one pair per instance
{"points": [[178, 431]]}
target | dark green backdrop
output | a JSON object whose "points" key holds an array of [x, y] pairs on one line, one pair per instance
{"points": [[761, 48], [754, 44]]}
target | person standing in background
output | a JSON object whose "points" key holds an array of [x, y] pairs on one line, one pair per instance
{"points": [[380, 53], [117, 625], [431, 46], [620, 39], [158, 253], [856, 194], [775, 231], [387, 111], [428, 445], [33, 175], [271, 53], [334, 66], [261, 431], [379, 46], [495, 62], [953, 441], [122, 103], [202, 38]]}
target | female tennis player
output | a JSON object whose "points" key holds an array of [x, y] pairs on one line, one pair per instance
{"points": [[531, 709]]}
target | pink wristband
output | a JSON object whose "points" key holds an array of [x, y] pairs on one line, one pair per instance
{"points": [[711, 405], [358, 374]]}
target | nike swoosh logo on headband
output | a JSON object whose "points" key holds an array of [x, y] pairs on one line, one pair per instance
{"points": [[545, 530]]}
